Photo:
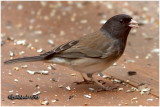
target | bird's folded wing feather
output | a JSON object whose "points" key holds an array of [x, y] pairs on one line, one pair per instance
{"points": [[92, 45]]}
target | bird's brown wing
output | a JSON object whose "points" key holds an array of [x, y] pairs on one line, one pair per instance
{"points": [[92, 45], [59, 49]]}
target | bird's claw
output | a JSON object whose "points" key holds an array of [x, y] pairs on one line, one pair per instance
{"points": [[108, 88], [84, 82]]}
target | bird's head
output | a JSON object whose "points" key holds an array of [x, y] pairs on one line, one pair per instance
{"points": [[119, 25]]}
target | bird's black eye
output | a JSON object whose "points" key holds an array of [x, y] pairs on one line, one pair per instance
{"points": [[121, 21]]}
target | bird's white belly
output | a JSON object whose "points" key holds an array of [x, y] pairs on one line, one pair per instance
{"points": [[91, 65], [84, 65]]}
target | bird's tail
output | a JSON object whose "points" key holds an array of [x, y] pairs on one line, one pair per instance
{"points": [[25, 59]]}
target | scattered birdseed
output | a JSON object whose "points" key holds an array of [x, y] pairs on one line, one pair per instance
{"points": [[16, 68], [70, 97], [53, 101], [88, 96], [132, 61], [43, 3], [21, 42], [155, 51], [10, 73], [20, 7], [135, 98], [15, 80], [83, 21], [38, 72], [145, 9], [134, 89], [49, 67], [100, 74], [109, 6], [60, 86], [31, 72], [117, 81], [11, 54], [127, 81], [38, 32], [50, 42], [115, 64], [145, 91], [22, 52], [148, 56], [11, 91], [62, 33], [13, 102], [105, 77], [68, 88], [46, 18], [102, 21], [130, 73], [120, 89], [45, 102], [36, 40], [24, 66], [40, 50], [44, 72], [36, 93], [92, 89], [149, 99], [73, 74], [137, 57]]}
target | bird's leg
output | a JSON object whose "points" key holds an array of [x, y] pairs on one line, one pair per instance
{"points": [[86, 81], [104, 88]]}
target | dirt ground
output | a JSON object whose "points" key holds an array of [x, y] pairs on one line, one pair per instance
{"points": [[27, 28]]}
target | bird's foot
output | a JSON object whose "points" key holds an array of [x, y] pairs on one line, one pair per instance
{"points": [[108, 88], [84, 82]]}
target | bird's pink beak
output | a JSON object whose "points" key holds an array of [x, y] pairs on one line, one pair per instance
{"points": [[133, 24]]}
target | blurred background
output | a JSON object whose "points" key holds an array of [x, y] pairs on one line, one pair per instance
{"points": [[32, 28]]}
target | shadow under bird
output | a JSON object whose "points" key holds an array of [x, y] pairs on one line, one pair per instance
{"points": [[92, 53]]}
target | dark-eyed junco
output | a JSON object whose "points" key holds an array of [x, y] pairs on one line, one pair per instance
{"points": [[92, 53]]}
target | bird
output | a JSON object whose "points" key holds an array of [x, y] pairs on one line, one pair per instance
{"points": [[92, 53]]}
